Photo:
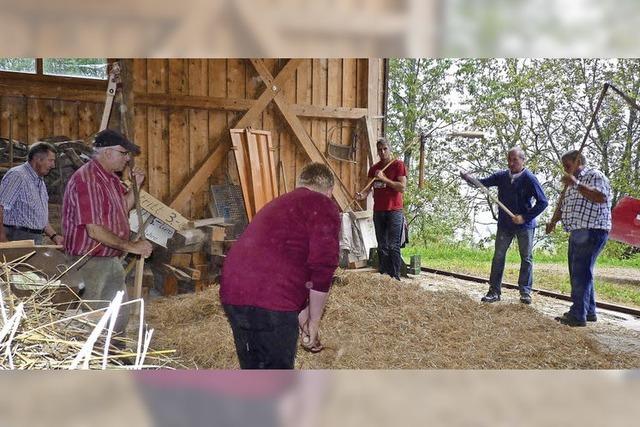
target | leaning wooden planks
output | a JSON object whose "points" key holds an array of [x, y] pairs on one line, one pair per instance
{"points": [[253, 152]]}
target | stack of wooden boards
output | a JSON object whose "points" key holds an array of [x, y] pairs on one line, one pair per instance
{"points": [[188, 254], [194, 263]]}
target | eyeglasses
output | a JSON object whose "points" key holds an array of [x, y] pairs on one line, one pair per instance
{"points": [[123, 153]]}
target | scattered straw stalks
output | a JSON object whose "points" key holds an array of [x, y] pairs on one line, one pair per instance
{"points": [[196, 326], [38, 332], [372, 322]]}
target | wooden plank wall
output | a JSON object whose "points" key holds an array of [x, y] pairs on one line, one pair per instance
{"points": [[185, 135], [175, 139], [40, 109]]}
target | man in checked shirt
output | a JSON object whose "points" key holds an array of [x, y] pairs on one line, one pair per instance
{"points": [[586, 214], [24, 202]]}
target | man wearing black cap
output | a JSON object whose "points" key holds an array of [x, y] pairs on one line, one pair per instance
{"points": [[95, 211]]}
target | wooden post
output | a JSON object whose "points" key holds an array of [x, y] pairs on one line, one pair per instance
{"points": [[423, 138], [11, 141], [126, 122]]}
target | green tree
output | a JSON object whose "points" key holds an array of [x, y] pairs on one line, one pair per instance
{"points": [[94, 68], [542, 105], [419, 102]]}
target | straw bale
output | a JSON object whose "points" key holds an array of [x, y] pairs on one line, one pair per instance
{"points": [[373, 322]]}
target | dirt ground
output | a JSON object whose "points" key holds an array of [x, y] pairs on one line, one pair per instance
{"points": [[616, 331]]}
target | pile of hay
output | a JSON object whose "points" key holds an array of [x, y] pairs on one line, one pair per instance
{"points": [[196, 326], [373, 322], [39, 332]]}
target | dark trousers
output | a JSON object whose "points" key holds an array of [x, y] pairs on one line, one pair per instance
{"points": [[388, 226], [264, 339], [584, 247], [16, 234]]}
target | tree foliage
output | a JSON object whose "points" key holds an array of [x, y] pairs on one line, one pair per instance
{"points": [[419, 91], [93, 68], [542, 105], [22, 65]]}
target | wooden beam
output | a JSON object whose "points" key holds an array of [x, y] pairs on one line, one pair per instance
{"points": [[373, 98], [232, 104], [38, 90], [26, 80], [128, 97], [263, 71], [371, 139], [322, 112], [193, 101], [17, 244], [243, 170], [199, 178], [340, 193], [257, 183], [271, 173]]}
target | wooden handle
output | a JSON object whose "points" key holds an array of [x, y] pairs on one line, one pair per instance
{"points": [[366, 187], [486, 191], [556, 211]]}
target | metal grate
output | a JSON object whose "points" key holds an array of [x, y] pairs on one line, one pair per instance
{"points": [[228, 203]]}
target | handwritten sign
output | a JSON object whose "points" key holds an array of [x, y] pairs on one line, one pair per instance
{"points": [[156, 231], [164, 213]]}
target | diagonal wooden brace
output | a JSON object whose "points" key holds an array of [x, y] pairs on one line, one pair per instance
{"points": [[340, 193], [200, 177]]}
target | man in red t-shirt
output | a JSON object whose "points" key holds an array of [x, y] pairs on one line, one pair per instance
{"points": [[388, 218]]}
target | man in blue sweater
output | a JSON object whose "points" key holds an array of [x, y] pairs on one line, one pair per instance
{"points": [[517, 189]]}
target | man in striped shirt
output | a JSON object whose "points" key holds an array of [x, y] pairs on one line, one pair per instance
{"points": [[586, 214], [24, 202], [95, 212]]}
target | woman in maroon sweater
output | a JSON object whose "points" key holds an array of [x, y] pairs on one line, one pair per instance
{"points": [[277, 276]]}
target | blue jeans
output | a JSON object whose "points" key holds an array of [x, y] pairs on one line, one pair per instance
{"points": [[584, 247], [504, 237], [388, 226]]}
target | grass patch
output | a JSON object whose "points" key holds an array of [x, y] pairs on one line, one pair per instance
{"points": [[477, 262], [467, 254]]}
